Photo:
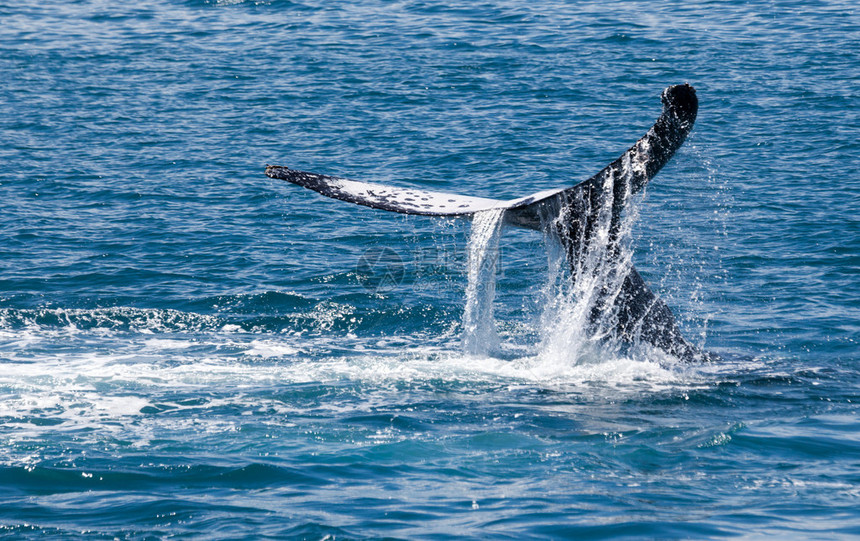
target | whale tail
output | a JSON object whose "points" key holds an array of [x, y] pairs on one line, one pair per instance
{"points": [[572, 214]]}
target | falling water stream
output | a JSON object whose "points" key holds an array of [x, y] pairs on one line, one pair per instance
{"points": [[479, 328]]}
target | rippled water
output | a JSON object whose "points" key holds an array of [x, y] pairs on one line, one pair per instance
{"points": [[188, 348]]}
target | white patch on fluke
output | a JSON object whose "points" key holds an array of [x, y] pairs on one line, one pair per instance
{"points": [[410, 199]]}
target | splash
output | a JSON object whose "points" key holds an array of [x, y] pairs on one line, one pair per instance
{"points": [[479, 328], [579, 320]]}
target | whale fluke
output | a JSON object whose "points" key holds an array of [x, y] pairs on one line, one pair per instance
{"points": [[572, 214]]}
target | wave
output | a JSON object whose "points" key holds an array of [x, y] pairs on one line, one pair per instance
{"points": [[267, 313]]}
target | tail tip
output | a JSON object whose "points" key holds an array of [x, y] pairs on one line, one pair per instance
{"points": [[683, 100]]}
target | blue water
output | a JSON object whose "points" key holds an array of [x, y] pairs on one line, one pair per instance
{"points": [[188, 348]]}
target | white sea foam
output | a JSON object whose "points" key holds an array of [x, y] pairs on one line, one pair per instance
{"points": [[270, 348], [132, 389]]}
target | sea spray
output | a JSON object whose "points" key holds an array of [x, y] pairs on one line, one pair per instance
{"points": [[479, 328], [578, 321]]}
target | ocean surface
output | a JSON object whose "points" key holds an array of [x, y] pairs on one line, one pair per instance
{"points": [[191, 349]]}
